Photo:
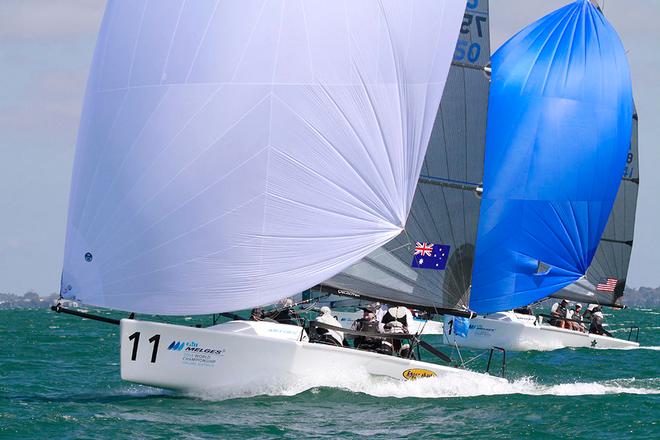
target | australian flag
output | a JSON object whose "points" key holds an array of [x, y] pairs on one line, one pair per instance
{"points": [[430, 256]]}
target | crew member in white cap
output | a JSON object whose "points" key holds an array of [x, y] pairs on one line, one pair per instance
{"points": [[327, 335]]}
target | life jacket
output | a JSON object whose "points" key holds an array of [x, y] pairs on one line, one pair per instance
{"points": [[396, 320], [366, 325]]}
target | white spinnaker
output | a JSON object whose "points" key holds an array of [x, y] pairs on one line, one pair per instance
{"points": [[234, 152]]}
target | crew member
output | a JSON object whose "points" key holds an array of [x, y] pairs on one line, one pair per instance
{"points": [[596, 326], [284, 314], [526, 310], [367, 323], [380, 313], [590, 310], [396, 321], [569, 315], [257, 314], [326, 335], [559, 311], [577, 326]]}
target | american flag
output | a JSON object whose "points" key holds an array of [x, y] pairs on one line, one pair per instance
{"points": [[608, 286]]}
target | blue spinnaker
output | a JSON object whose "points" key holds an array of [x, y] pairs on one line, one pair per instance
{"points": [[559, 124]]}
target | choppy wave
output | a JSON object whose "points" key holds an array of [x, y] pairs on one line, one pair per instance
{"points": [[135, 390], [364, 383]]}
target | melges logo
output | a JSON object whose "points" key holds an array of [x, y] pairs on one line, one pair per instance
{"points": [[192, 346], [180, 345]]}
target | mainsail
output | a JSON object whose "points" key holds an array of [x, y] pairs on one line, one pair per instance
{"points": [[445, 209], [606, 278], [559, 125], [232, 153]]}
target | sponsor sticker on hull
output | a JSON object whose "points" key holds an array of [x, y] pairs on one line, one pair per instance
{"points": [[480, 330], [417, 373]]}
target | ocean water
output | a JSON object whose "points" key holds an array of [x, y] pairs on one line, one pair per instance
{"points": [[59, 378]]}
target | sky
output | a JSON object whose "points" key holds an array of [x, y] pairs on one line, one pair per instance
{"points": [[46, 48]]}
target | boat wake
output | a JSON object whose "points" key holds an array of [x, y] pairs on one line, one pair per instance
{"points": [[438, 387], [641, 347]]}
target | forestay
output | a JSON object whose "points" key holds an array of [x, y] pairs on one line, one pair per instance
{"points": [[559, 125], [445, 209], [232, 153], [606, 278]]}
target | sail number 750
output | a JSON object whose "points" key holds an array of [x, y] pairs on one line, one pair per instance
{"points": [[135, 337]]}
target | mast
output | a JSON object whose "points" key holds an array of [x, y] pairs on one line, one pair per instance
{"points": [[445, 209], [612, 257]]}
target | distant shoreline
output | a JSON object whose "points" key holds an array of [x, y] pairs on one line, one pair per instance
{"points": [[28, 300], [642, 297]]}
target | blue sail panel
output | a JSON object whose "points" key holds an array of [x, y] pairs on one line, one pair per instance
{"points": [[559, 124]]}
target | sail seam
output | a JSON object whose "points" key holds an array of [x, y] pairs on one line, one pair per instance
{"points": [[98, 162], [403, 121], [201, 41], [197, 157], [383, 197], [123, 163], [364, 208], [239, 63], [171, 240], [137, 41], [327, 142], [163, 74], [148, 167], [202, 191], [261, 280]]}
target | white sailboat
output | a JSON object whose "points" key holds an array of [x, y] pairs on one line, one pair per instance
{"points": [[231, 154], [563, 216], [521, 332]]}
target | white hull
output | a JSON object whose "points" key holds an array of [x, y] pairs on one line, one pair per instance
{"points": [[516, 332], [240, 354]]}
